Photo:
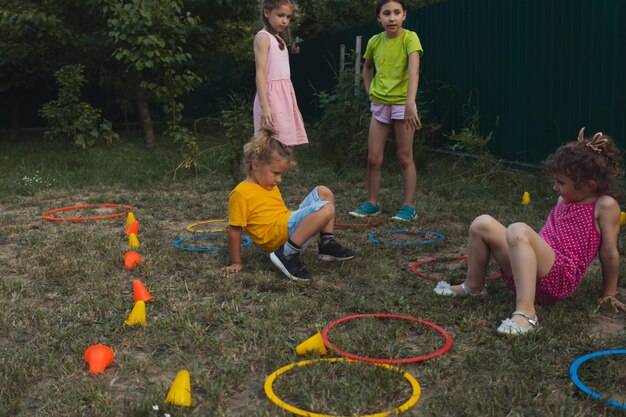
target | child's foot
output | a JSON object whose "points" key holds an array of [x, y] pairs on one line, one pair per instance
{"points": [[519, 323], [366, 209], [333, 251], [405, 214], [443, 288], [290, 265]]}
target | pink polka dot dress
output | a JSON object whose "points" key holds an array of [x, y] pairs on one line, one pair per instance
{"points": [[571, 232]]}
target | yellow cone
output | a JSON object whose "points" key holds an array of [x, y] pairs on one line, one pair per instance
{"points": [[138, 314], [130, 218], [133, 242], [180, 391], [313, 343], [622, 218], [526, 198]]}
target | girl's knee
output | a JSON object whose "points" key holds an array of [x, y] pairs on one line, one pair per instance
{"points": [[374, 161], [405, 159], [518, 232], [324, 193], [482, 222]]}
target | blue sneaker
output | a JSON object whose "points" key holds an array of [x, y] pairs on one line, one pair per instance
{"points": [[366, 209], [406, 214]]}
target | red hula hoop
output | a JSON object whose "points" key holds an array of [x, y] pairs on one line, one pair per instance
{"points": [[451, 258], [444, 349], [372, 224], [48, 215]]}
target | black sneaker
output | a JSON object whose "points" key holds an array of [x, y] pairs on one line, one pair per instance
{"points": [[290, 265], [333, 251]]}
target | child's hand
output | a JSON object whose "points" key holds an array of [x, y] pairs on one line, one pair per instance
{"points": [[615, 304], [411, 118], [234, 268]]}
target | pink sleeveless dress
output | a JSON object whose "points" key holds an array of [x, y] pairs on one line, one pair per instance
{"points": [[281, 96], [572, 234]]}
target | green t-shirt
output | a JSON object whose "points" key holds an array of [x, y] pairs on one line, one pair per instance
{"points": [[391, 59]]}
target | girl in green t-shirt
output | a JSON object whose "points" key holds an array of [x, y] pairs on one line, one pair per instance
{"points": [[395, 53]]}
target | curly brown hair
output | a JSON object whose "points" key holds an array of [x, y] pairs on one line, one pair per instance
{"points": [[594, 158], [264, 147]]}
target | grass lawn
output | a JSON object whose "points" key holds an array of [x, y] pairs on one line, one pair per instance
{"points": [[64, 288]]}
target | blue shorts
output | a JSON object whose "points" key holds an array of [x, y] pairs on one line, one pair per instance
{"points": [[310, 204]]}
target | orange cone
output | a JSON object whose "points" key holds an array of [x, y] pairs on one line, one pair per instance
{"points": [[133, 228], [313, 343], [99, 357], [526, 198], [140, 292], [622, 218], [130, 218], [131, 259]]}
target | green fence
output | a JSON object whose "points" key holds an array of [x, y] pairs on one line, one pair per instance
{"points": [[541, 68]]}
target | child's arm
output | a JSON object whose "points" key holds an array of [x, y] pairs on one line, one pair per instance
{"points": [[411, 118], [368, 74], [261, 50], [607, 214], [234, 247]]}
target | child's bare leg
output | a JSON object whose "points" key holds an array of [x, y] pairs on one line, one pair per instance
{"points": [[404, 144], [322, 220], [376, 139], [531, 257], [487, 237]]}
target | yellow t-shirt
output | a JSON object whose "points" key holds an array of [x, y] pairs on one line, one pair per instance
{"points": [[262, 212], [391, 60]]}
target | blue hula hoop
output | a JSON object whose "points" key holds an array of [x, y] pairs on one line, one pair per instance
{"points": [[573, 373], [425, 242], [246, 242]]}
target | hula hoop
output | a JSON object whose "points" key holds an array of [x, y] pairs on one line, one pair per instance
{"points": [[372, 224], [246, 242], [297, 411], [190, 228], [573, 372], [451, 258], [444, 349], [425, 242], [48, 214]]}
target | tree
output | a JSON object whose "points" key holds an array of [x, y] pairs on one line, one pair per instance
{"points": [[150, 38], [31, 36], [318, 17]]}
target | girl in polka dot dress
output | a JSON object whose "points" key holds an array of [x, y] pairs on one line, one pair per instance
{"points": [[548, 266]]}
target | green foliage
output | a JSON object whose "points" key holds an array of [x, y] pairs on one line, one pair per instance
{"points": [[319, 17], [150, 38], [31, 38], [236, 119], [342, 129], [470, 138], [70, 118]]}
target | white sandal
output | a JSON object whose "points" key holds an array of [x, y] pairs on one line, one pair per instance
{"points": [[510, 327], [445, 289]]}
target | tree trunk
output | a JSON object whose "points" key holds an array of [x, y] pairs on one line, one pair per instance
{"points": [[15, 116], [145, 119]]}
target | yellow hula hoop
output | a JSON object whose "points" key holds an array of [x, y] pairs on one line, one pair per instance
{"points": [[297, 411], [190, 228]]}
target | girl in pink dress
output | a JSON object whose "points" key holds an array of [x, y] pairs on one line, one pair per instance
{"points": [[275, 102], [548, 266]]}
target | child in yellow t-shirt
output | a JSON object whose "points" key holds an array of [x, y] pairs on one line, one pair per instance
{"points": [[257, 205]]}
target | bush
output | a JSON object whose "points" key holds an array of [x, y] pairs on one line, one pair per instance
{"points": [[342, 129], [70, 118]]}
